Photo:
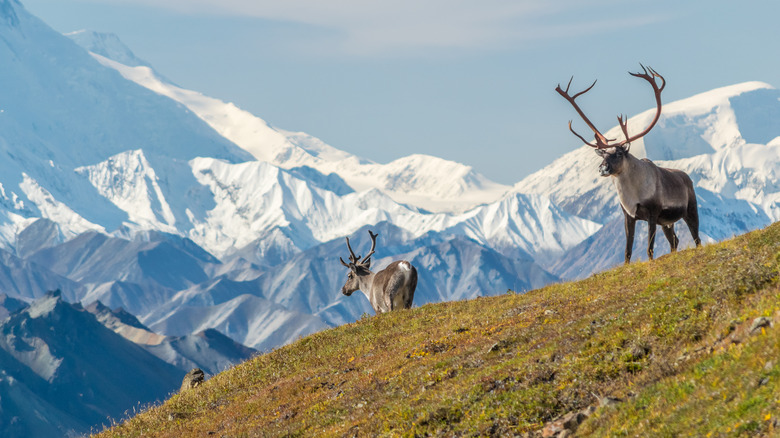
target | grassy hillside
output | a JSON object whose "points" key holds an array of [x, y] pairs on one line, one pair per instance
{"points": [[670, 339]]}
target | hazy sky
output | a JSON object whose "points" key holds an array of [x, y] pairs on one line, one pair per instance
{"points": [[467, 80]]}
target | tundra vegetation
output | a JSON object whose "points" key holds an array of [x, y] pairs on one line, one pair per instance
{"points": [[670, 338]]}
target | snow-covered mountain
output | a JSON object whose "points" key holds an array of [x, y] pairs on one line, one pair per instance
{"points": [[107, 45], [92, 151], [200, 220], [424, 181], [62, 110]]}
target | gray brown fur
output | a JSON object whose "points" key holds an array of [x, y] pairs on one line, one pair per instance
{"points": [[650, 193], [392, 279]]}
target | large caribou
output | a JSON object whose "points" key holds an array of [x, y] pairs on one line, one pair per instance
{"points": [[647, 192], [389, 289]]}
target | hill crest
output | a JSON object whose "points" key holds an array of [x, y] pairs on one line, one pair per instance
{"points": [[669, 344]]}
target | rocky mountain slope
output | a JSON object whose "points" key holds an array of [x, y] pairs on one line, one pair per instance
{"points": [[66, 369], [79, 372]]}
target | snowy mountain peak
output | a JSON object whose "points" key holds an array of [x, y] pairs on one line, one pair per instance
{"points": [[704, 102], [447, 178], [44, 306], [707, 122], [426, 182], [129, 181], [106, 44]]}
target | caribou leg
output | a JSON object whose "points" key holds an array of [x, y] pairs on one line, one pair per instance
{"points": [[630, 225], [671, 237], [692, 220], [651, 229]]}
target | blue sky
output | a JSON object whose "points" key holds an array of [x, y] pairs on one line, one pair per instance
{"points": [[470, 81]]}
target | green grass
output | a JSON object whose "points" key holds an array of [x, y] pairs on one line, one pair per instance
{"points": [[660, 335]]}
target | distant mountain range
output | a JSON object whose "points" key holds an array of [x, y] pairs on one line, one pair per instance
{"points": [[185, 225], [65, 369]]}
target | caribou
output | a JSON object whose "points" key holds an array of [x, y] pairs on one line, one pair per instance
{"points": [[646, 192], [389, 289]]}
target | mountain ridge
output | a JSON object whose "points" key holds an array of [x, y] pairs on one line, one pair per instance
{"points": [[457, 187]]}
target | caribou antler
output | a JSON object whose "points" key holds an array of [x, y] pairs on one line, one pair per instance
{"points": [[355, 260], [649, 77], [373, 246], [602, 142]]}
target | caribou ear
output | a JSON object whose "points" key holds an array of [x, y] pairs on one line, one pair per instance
{"points": [[601, 152]]}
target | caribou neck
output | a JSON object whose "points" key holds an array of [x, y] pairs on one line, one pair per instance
{"points": [[635, 184], [366, 283]]}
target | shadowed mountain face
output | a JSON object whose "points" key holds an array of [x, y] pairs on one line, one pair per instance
{"points": [[74, 365], [65, 369], [209, 350], [10, 305], [166, 261]]}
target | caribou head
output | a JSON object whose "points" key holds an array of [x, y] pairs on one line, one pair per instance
{"points": [[357, 267], [646, 192]]}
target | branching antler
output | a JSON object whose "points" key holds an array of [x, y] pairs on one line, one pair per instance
{"points": [[649, 75], [373, 246], [355, 260], [602, 142]]}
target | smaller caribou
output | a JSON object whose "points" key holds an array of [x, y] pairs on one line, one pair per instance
{"points": [[389, 289]]}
